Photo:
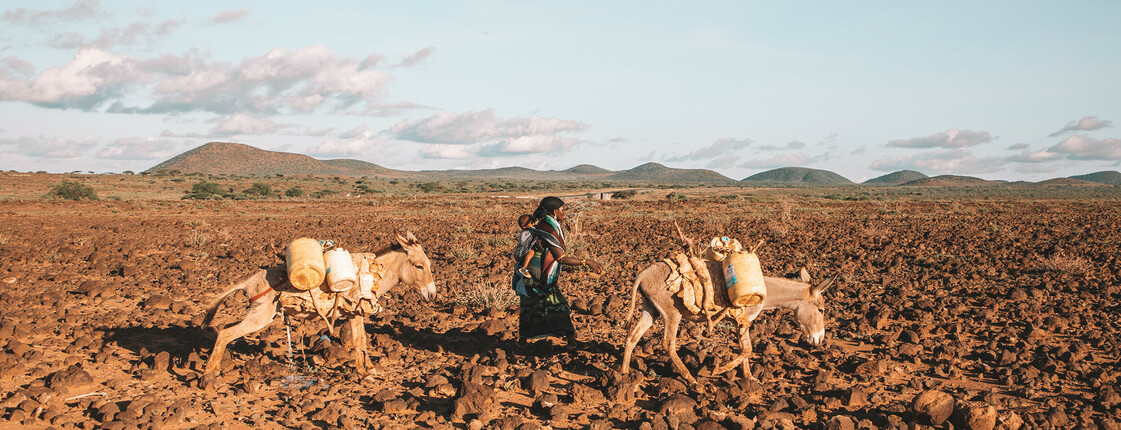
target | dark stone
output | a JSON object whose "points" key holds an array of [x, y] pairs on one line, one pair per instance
{"points": [[474, 399], [537, 382], [932, 407]]}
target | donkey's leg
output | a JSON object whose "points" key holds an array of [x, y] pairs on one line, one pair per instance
{"points": [[673, 321], [746, 349], [745, 352], [645, 320], [353, 337], [256, 319]]}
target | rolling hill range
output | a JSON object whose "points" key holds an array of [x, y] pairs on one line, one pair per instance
{"points": [[1111, 177], [799, 175], [224, 158], [217, 158], [951, 181], [896, 178]]}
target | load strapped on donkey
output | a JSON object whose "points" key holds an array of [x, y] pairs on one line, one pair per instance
{"points": [[308, 266], [743, 278]]}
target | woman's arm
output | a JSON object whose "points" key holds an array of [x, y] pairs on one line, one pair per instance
{"points": [[572, 260]]}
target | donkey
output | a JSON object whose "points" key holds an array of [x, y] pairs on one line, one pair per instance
{"points": [[405, 264], [805, 299]]}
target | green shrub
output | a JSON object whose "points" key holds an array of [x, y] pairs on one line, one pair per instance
{"points": [[323, 193], [205, 191], [73, 190], [259, 189], [675, 196], [429, 187], [295, 191], [624, 194]]}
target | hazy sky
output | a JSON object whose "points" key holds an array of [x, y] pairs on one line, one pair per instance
{"points": [[1000, 90]]}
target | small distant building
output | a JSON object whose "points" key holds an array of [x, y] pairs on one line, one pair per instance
{"points": [[602, 196]]}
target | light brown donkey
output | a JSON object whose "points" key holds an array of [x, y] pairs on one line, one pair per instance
{"points": [[404, 262], [657, 300]]}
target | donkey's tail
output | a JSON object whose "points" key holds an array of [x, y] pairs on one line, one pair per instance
{"points": [[634, 297], [213, 310]]}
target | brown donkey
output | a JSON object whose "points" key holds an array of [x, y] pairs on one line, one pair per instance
{"points": [[404, 262], [657, 300]]}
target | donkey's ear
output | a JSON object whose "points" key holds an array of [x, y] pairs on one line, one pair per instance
{"points": [[402, 241], [804, 275], [410, 237], [825, 285]]}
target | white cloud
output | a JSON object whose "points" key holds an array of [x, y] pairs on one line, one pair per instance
{"points": [[230, 16], [533, 144], [949, 139], [781, 160], [76, 11], [16, 65], [1088, 123], [1031, 168], [242, 124], [480, 127], [1043, 156], [342, 148], [1080, 147], [134, 34], [447, 151], [47, 147], [792, 145], [93, 77], [417, 57], [301, 80], [356, 142], [721, 151], [953, 161], [140, 148]]}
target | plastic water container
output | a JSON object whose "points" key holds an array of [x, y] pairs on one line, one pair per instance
{"points": [[744, 278], [306, 268], [341, 273]]}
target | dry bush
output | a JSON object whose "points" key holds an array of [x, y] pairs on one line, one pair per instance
{"points": [[488, 296], [1064, 264], [464, 252], [778, 229]]}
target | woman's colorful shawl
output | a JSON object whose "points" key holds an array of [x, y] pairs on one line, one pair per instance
{"points": [[550, 232]]}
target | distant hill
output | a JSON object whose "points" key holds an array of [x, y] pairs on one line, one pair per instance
{"points": [[217, 158], [1067, 181], [951, 181], [1111, 177], [363, 166], [799, 175], [654, 172], [896, 178], [587, 169]]}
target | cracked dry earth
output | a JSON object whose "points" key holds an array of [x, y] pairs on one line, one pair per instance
{"points": [[973, 313]]}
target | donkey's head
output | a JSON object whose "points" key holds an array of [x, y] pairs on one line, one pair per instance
{"points": [[810, 311], [416, 268]]}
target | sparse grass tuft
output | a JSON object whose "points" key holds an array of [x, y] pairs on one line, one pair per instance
{"points": [[198, 238], [3, 240], [1065, 264], [464, 252], [488, 296]]}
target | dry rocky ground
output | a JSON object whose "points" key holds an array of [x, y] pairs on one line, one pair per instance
{"points": [[967, 313]]}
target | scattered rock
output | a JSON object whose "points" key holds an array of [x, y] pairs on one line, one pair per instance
{"points": [[974, 416], [474, 399], [70, 381], [932, 407]]}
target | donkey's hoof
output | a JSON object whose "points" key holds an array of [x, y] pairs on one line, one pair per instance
{"points": [[208, 381]]}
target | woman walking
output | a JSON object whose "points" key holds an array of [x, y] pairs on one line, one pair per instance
{"points": [[544, 309]]}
